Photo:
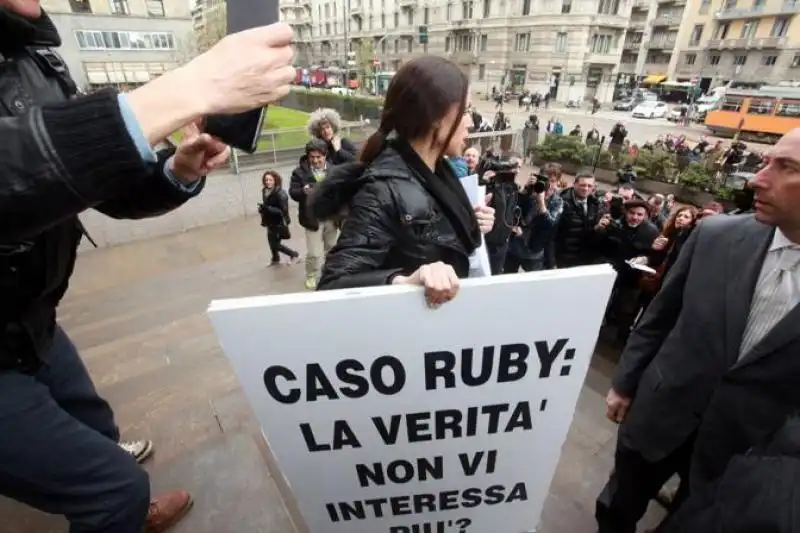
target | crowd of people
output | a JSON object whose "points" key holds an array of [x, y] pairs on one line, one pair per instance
{"points": [[706, 386]]}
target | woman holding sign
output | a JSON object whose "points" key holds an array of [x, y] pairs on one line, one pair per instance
{"points": [[408, 219]]}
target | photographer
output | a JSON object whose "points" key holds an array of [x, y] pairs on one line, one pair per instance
{"points": [[539, 210], [624, 238], [499, 177]]}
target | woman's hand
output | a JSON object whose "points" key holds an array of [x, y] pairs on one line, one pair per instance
{"points": [[485, 215], [439, 279], [660, 243]]}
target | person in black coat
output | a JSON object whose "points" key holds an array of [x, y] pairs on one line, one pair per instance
{"points": [[757, 492], [406, 217], [274, 210]]}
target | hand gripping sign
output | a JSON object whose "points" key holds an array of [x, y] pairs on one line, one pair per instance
{"points": [[388, 417]]}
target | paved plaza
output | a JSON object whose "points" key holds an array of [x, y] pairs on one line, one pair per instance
{"points": [[137, 313]]}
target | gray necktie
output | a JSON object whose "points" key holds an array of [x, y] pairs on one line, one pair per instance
{"points": [[772, 299]]}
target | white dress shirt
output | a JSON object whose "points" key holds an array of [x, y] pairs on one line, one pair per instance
{"points": [[777, 291]]}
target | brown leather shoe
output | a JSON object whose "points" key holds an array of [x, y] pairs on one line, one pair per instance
{"points": [[167, 510]]}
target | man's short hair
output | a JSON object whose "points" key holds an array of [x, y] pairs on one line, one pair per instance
{"points": [[584, 174], [633, 204]]}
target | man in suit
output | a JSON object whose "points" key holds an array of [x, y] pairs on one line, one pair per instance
{"points": [[714, 365]]}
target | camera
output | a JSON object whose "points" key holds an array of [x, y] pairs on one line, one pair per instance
{"points": [[627, 175], [616, 208], [541, 184], [503, 170]]}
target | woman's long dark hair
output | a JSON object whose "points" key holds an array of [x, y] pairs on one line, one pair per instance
{"points": [[422, 92]]}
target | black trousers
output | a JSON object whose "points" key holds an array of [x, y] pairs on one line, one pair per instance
{"points": [[634, 482], [514, 263], [59, 452], [276, 246], [497, 257]]}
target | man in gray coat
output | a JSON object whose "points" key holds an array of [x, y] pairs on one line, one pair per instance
{"points": [[714, 366]]}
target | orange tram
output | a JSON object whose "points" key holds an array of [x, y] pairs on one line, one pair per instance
{"points": [[762, 115]]}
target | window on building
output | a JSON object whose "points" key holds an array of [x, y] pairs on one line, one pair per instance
{"points": [[80, 6], [795, 61], [410, 18], [124, 40], [780, 28], [396, 46], [481, 72], [447, 44], [383, 21], [739, 60], [761, 106], [566, 6], [561, 42], [608, 7], [327, 28], [722, 30], [769, 61], [729, 4], [449, 12], [601, 44], [383, 46], [749, 29], [704, 6], [522, 42], [119, 7], [697, 34], [359, 23], [487, 8], [526, 7], [714, 59], [426, 13], [484, 42], [155, 8], [467, 9], [409, 45], [758, 5], [397, 20], [691, 58]]}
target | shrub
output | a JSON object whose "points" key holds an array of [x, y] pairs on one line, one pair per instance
{"points": [[561, 148], [697, 178], [656, 165]]}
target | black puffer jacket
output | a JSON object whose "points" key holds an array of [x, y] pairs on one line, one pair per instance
{"points": [[576, 241], [758, 493], [57, 159], [392, 226], [302, 176]]}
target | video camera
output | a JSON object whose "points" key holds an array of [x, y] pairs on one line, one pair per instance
{"points": [[503, 170], [627, 175]]}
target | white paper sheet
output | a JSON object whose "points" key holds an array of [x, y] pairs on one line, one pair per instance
{"points": [[479, 260]]}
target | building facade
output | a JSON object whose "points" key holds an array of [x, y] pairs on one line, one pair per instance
{"points": [[570, 48], [747, 43], [121, 43]]}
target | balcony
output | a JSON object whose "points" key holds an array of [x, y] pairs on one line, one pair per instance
{"points": [[788, 7], [641, 4], [634, 47], [596, 58], [608, 20], [356, 9], [667, 20], [464, 57], [655, 69], [298, 4], [637, 24], [746, 44], [299, 19], [407, 4], [661, 44]]}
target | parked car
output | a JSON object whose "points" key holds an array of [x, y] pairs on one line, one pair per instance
{"points": [[625, 105], [650, 109], [674, 114]]}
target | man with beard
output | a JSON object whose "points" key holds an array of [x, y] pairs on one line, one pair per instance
{"points": [[320, 237]]}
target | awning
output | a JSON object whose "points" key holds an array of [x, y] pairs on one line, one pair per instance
{"points": [[653, 79]]}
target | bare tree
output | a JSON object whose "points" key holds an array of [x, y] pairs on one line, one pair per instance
{"points": [[214, 29]]}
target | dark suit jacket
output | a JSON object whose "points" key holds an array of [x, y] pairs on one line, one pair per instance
{"points": [[681, 363]]}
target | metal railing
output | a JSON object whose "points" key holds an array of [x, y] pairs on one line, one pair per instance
{"points": [[277, 148], [789, 7]]}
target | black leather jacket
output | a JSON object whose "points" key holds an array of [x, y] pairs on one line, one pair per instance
{"points": [[41, 195], [393, 225]]}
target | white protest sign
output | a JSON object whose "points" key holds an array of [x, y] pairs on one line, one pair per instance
{"points": [[386, 416], [479, 260]]}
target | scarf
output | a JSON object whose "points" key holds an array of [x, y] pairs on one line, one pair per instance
{"points": [[16, 31], [448, 193], [459, 165]]}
